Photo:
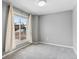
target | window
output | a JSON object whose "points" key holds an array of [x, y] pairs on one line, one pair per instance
{"points": [[20, 25], [19, 29]]}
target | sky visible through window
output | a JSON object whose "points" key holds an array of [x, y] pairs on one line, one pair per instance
{"points": [[20, 20]]}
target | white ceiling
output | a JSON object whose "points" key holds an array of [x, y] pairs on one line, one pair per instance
{"points": [[51, 6]]}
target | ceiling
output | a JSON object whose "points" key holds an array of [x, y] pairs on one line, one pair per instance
{"points": [[52, 6]]}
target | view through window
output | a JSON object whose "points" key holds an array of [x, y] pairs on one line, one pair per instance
{"points": [[20, 24]]}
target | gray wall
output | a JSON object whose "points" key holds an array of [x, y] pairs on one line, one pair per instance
{"points": [[35, 28], [75, 28], [4, 22], [56, 28]]}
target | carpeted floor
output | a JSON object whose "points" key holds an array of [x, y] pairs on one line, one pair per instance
{"points": [[43, 51]]}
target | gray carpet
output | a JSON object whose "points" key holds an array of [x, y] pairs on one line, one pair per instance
{"points": [[43, 51]]}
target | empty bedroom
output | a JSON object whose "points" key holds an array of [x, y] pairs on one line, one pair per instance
{"points": [[39, 29]]}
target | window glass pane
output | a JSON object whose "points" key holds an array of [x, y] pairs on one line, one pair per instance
{"points": [[20, 20], [20, 24]]}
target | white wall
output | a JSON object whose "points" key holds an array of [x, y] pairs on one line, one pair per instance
{"points": [[56, 28], [75, 29], [35, 28], [4, 22]]}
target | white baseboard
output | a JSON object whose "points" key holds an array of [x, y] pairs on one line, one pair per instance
{"points": [[57, 45], [75, 51], [35, 42]]}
